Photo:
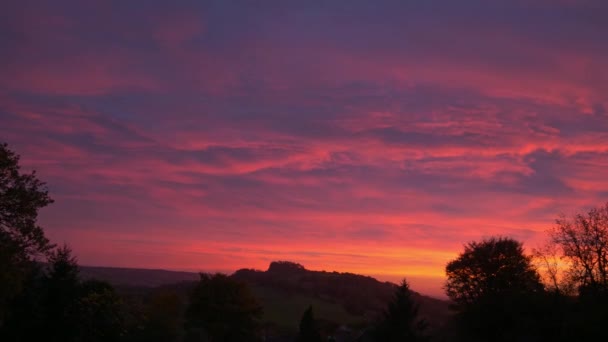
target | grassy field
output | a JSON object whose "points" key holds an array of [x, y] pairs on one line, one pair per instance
{"points": [[285, 310]]}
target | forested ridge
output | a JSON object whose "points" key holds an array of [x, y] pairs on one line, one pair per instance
{"points": [[498, 290]]}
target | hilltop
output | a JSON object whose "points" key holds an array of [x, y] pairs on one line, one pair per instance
{"points": [[286, 289], [359, 298]]}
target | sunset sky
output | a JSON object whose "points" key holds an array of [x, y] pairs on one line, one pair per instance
{"points": [[360, 136]]}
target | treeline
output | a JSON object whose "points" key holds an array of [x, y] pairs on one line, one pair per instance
{"points": [[498, 292], [558, 293], [359, 295]]}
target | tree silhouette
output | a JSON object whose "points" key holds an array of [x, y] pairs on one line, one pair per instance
{"points": [[400, 321], [493, 267], [44, 302], [164, 313], [309, 331], [222, 309], [583, 241], [21, 239], [26, 312], [99, 312], [494, 285], [21, 196], [62, 295]]}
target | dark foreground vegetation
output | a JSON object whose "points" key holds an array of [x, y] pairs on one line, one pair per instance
{"points": [[497, 291]]}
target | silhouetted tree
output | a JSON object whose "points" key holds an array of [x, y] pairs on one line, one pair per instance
{"points": [[582, 244], [100, 313], [550, 262], [494, 286], [309, 331], [21, 239], [559, 302], [400, 320], [38, 302], [492, 267], [62, 295], [26, 313], [583, 241], [164, 317], [46, 308], [285, 267], [222, 309], [57, 306]]}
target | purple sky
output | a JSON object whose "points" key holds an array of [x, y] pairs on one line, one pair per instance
{"points": [[362, 136]]}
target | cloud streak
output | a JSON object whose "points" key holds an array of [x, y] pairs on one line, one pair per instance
{"points": [[344, 136]]}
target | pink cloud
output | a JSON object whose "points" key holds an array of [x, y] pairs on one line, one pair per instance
{"points": [[213, 138]]}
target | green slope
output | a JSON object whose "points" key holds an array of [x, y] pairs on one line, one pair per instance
{"points": [[285, 309]]}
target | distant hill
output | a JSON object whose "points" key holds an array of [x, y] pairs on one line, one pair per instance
{"points": [[286, 289], [361, 298], [136, 277]]}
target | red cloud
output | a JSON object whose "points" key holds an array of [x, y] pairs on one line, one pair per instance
{"points": [[211, 138]]}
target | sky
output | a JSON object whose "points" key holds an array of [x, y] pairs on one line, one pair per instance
{"points": [[357, 136]]}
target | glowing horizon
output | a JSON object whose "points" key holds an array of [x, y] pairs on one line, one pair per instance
{"points": [[343, 136]]}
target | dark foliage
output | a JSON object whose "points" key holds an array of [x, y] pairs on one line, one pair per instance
{"points": [[489, 269], [496, 290], [26, 312], [222, 309], [400, 320], [62, 295], [21, 239], [100, 313], [583, 241], [164, 311], [56, 306], [285, 267], [360, 295], [309, 331], [21, 196]]}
